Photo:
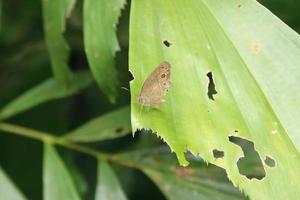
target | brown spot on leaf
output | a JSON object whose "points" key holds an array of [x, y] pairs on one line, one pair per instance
{"points": [[155, 161], [119, 130], [96, 54], [183, 171], [167, 187], [255, 47], [155, 177]]}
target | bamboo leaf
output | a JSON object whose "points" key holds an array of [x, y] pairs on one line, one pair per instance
{"points": [[8, 190], [45, 91], [101, 44], [57, 180], [108, 126], [234, 77], [198, 181], [108, 186], [55, 13]]}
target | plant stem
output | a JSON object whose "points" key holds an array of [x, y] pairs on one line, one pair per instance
{"points": [[51, 139]]}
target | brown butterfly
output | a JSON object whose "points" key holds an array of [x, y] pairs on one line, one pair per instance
{"points": [[156, 86]]}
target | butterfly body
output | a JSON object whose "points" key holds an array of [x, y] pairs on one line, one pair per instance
{"points": [[156, 86]]}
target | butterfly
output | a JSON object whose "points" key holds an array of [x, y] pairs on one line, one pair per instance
{"points": [[156, 86]]}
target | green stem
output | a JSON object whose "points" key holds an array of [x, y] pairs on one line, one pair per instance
{"points": [[51, 139]]}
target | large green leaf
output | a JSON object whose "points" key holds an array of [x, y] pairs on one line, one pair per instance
{"points": [[253, 59], [8, 190], [55, 13], [57, 180], [198, 181], [111, 125], [101, 44], [108, 186], [46, 91]]}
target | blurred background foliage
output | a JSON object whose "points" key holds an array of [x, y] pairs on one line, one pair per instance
{"points": [[25, 63]]}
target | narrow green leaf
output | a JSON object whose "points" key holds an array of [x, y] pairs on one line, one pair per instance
{"points": [[198, 181], [57, 180], [55, 13], [8, 190], [111, 125], [101, 44], [45, 91], [108, 186], [252, 91]]}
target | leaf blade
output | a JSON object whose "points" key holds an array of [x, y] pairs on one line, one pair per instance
{"points": [[8, 189], [199, 181], [108, 126], [191, 121], [272, 82], [55, 13], [56, 179], [100, 40], [108, 186], [45, 91]]}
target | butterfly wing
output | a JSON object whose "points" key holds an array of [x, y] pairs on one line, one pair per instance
{"points": [[156, 85]]}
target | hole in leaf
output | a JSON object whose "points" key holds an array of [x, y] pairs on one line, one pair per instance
{"points": [[250, 165], [218, 154], [119, 130], [167, 43], [211, 86], [270, 161], [130, 76]]}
